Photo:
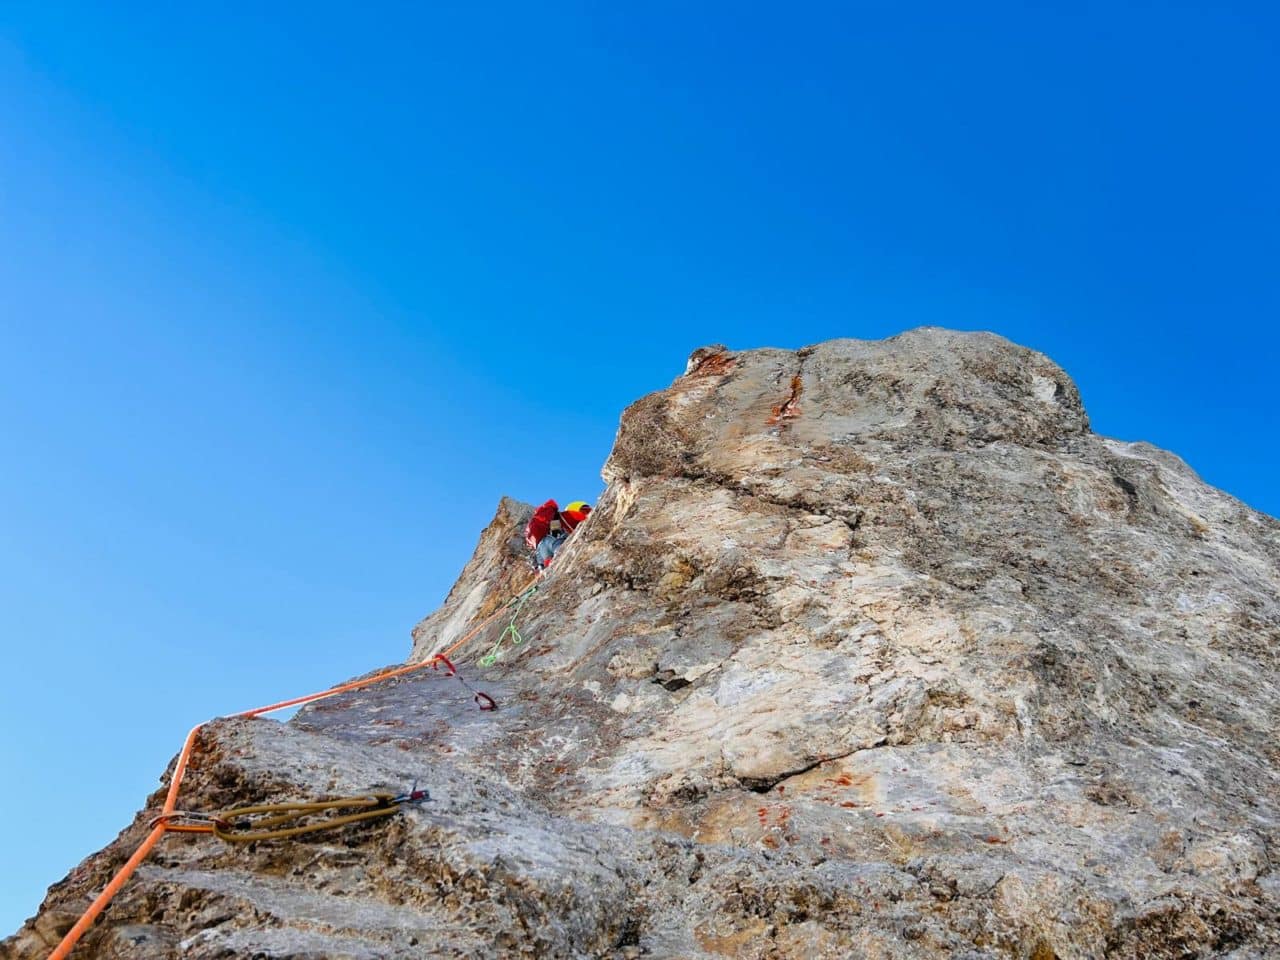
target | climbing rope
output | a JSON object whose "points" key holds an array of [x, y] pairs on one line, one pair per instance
{"points": [[172, 819], [234, 826], [512, 631]]}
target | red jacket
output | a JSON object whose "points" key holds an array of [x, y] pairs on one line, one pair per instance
{"points": [[571, 518], [549, 517]]}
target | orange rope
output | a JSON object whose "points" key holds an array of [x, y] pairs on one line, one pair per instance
{"points": [[162, 824], [109, 891]]}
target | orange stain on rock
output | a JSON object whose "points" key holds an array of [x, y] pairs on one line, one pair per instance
{"points": [[790, 407]]}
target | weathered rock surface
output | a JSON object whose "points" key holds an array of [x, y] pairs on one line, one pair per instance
{"points": [[871, 649]]}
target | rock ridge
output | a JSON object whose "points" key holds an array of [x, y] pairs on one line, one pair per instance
{"points": [[868, 649]]}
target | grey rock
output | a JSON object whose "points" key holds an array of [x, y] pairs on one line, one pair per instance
{"points": [[869, 649]]}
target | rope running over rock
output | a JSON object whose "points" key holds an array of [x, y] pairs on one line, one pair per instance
{"points": [[205, 823]]}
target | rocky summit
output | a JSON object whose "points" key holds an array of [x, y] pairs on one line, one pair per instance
{"points": [[870, 649]]}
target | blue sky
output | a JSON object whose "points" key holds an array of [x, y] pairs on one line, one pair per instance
{"points": [[289, 296]]}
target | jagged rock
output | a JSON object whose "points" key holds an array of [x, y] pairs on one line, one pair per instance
{"points": [[870, 649]]}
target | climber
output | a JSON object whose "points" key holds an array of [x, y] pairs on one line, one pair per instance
{"points": [[549, 527]]}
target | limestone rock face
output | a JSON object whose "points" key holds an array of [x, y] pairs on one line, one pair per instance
{"points": [[871, 649]]}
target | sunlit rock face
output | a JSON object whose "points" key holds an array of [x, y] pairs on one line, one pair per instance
{"points": [[870, 649]]}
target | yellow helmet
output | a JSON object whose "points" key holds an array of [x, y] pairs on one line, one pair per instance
{"points": [[577, 506]]}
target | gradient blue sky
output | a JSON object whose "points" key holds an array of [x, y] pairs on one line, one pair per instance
{"points": [[289, 296]]}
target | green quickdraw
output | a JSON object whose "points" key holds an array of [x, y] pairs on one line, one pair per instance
{"points": [[511, 630]]}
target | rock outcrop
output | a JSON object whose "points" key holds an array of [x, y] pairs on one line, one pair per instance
{"points": [[870, 649]]}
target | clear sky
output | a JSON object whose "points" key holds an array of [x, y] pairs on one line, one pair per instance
{"points": [[290, 295]]}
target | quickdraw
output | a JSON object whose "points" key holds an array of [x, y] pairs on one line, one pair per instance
{"points": [[482, 699], [187, 821]]}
